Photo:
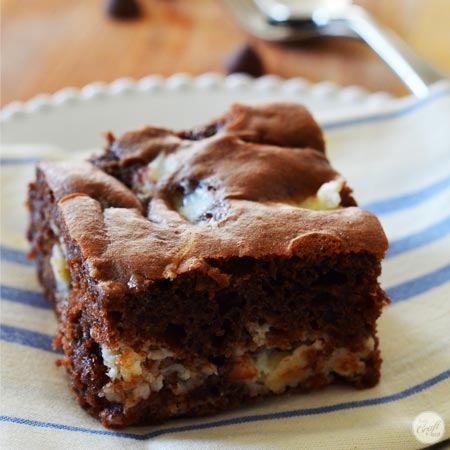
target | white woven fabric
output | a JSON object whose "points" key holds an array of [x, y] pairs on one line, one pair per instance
{"points": [[398, 163]]}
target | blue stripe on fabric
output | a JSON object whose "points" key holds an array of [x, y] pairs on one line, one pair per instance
{"points": [[30, 298], [15, 256], [37, 423], [245, 419], [17, 161], [405, 201], [419, 285], [29, 338], [386, 115], [420, 238]]}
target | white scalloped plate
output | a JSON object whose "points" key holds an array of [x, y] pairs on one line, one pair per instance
{"points": [[75, 119]]}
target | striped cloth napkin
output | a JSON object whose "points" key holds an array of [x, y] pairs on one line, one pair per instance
{"points": [[398, 162]]}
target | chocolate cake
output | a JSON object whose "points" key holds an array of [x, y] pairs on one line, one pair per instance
{"points": [[192, 271]]}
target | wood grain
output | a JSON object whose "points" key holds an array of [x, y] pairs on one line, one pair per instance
{"points": [[50, 44]]}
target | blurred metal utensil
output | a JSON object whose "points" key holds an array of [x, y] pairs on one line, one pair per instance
{"points": [[295, 20]]}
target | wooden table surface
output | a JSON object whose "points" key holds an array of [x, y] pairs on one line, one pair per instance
{"points": [[51, 44]]}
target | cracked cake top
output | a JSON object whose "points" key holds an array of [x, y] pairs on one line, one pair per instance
{"points": [[253, 183]]}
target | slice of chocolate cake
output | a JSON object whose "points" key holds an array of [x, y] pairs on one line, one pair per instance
{"points": [[191, 271]]}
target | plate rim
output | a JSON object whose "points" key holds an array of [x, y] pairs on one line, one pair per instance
{"points": [[203, 82]]}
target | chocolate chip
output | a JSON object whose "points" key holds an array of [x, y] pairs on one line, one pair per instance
{"points": [[123, 9], [244, 59]]}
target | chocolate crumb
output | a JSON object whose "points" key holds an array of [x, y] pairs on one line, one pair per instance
{"points": [[123, 9], [244, 59]]}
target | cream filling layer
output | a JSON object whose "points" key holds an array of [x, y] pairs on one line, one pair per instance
{"points": [[278, 370], [273, 370], [327, 197], [136, 375], [194, 204], [60, 271]]}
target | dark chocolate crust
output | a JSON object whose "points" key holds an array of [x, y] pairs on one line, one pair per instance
{"points": [[143, 274]]}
